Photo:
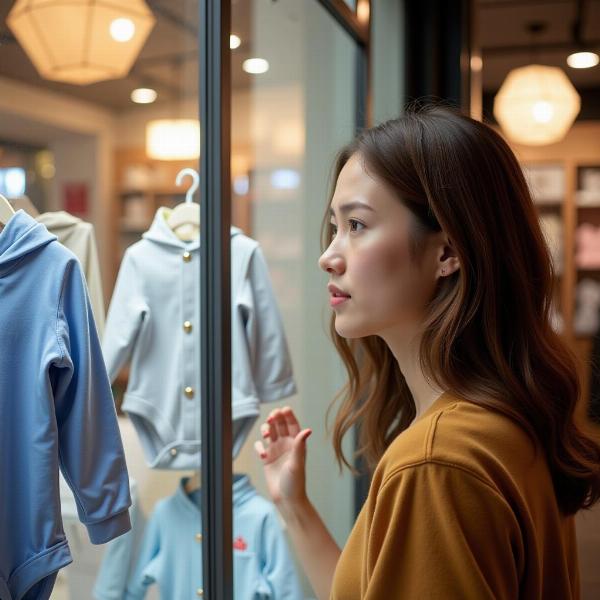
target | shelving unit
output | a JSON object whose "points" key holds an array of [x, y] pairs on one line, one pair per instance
{"points": [[579, 150]]}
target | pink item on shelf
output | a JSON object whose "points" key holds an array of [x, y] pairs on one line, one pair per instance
{"points": [[587, 239]]}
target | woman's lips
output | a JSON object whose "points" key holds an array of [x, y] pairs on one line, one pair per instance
{"points": [[337, 300]]}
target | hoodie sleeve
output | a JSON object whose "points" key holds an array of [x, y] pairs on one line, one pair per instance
{"points": [[271, 362], [126, 313], [90, 449]]}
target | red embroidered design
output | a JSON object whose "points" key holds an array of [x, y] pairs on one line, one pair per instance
{"points": [[239, 543]]}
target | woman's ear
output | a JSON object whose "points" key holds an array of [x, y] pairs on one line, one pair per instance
{"points": [[448, 260]]}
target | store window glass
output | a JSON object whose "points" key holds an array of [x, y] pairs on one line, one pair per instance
{"points": [[99, 155], [293, 107]]}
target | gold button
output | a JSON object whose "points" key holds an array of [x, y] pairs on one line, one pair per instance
{"points": [[187, 257], [173, 451], [199, 592], [187, 327], [189, 392], [198, 537]]}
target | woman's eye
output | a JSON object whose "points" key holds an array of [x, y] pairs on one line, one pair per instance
{"points": [[354, 222]]}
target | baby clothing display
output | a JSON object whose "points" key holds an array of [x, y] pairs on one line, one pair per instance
{"points": [[171, 550], [552, 229], [79, 237], [586, 318], [56, 411], [587, 239], [152, 321]]}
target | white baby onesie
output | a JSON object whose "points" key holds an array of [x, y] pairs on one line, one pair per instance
{"points": [[153, 320]]}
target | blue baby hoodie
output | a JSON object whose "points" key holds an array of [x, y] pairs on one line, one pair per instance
{"points": [[56, 410]]}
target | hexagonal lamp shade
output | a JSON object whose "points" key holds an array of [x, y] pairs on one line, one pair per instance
{"points": [[81, 41], [536, 105]]}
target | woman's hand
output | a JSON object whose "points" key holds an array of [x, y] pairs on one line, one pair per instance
{"points": [[284, 456]]}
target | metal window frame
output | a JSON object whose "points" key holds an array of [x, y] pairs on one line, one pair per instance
{"points": [[215, 287]]}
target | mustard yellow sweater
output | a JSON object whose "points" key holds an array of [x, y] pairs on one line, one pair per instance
{"points": [[460, 507]]}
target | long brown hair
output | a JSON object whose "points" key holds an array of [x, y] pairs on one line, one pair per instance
{"points": [[487, 335]]}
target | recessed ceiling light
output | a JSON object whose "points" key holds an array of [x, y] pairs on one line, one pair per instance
{"points": [[122, 29], [255, 66], [583, 60], [143, 95], [234, 41]]}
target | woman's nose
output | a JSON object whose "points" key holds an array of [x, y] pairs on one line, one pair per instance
{"points": [[331, 263]]}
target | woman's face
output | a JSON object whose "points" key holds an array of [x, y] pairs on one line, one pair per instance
{"points": [[369, 259]]}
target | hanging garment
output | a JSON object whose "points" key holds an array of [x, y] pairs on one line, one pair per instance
{"points": [[119, 556], [79, 237], [153, 319], [56, 410], [171, 552]]}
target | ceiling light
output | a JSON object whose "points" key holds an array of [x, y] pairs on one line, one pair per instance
{"points": [[583, 60], [255, 66], [122, 29], [81, 41], [536, 105], [234, 42], [143, 95], [173, 139]]}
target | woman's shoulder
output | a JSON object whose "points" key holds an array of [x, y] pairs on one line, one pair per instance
{"points": [[461, 434]]}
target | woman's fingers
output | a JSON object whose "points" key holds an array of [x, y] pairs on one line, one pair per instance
{"points": [[260, 449], [272, 428], [291, 421], [282, 428]]}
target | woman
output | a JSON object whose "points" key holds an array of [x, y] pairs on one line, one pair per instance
{"points": [[441, 286]]}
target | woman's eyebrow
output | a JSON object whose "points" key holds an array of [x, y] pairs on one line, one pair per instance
{"points": [[346, 208]]}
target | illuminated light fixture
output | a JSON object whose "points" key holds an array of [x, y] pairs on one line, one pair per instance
{"points": [[255, 66], [234, 42], [122, 30], [583, 60], [536, 105], [241, 185], [476, 63], [285, 179], [363, 11], [81, 41], [173, 139], [143, 95], [12, 181]]}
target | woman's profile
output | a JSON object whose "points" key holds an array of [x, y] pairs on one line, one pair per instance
{"points": [[464, 396]]}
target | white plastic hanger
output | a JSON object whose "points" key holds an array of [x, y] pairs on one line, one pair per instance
{"points": [[184, 219], [6, 210]]}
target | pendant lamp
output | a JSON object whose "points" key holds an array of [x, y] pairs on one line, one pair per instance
{"points": [[81, 41], [536, 105]]}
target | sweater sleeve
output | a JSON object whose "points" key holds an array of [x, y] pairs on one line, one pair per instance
{"points": [[126, 313], [438, 531], [271, 362], [90, 449]]}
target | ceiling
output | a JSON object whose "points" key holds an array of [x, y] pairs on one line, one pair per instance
{"points": [[506, 43], [168, 61]]}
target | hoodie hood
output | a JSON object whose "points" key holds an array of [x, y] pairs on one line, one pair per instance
{"points": [[59, 221], [22, 235], [161, 233]]}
